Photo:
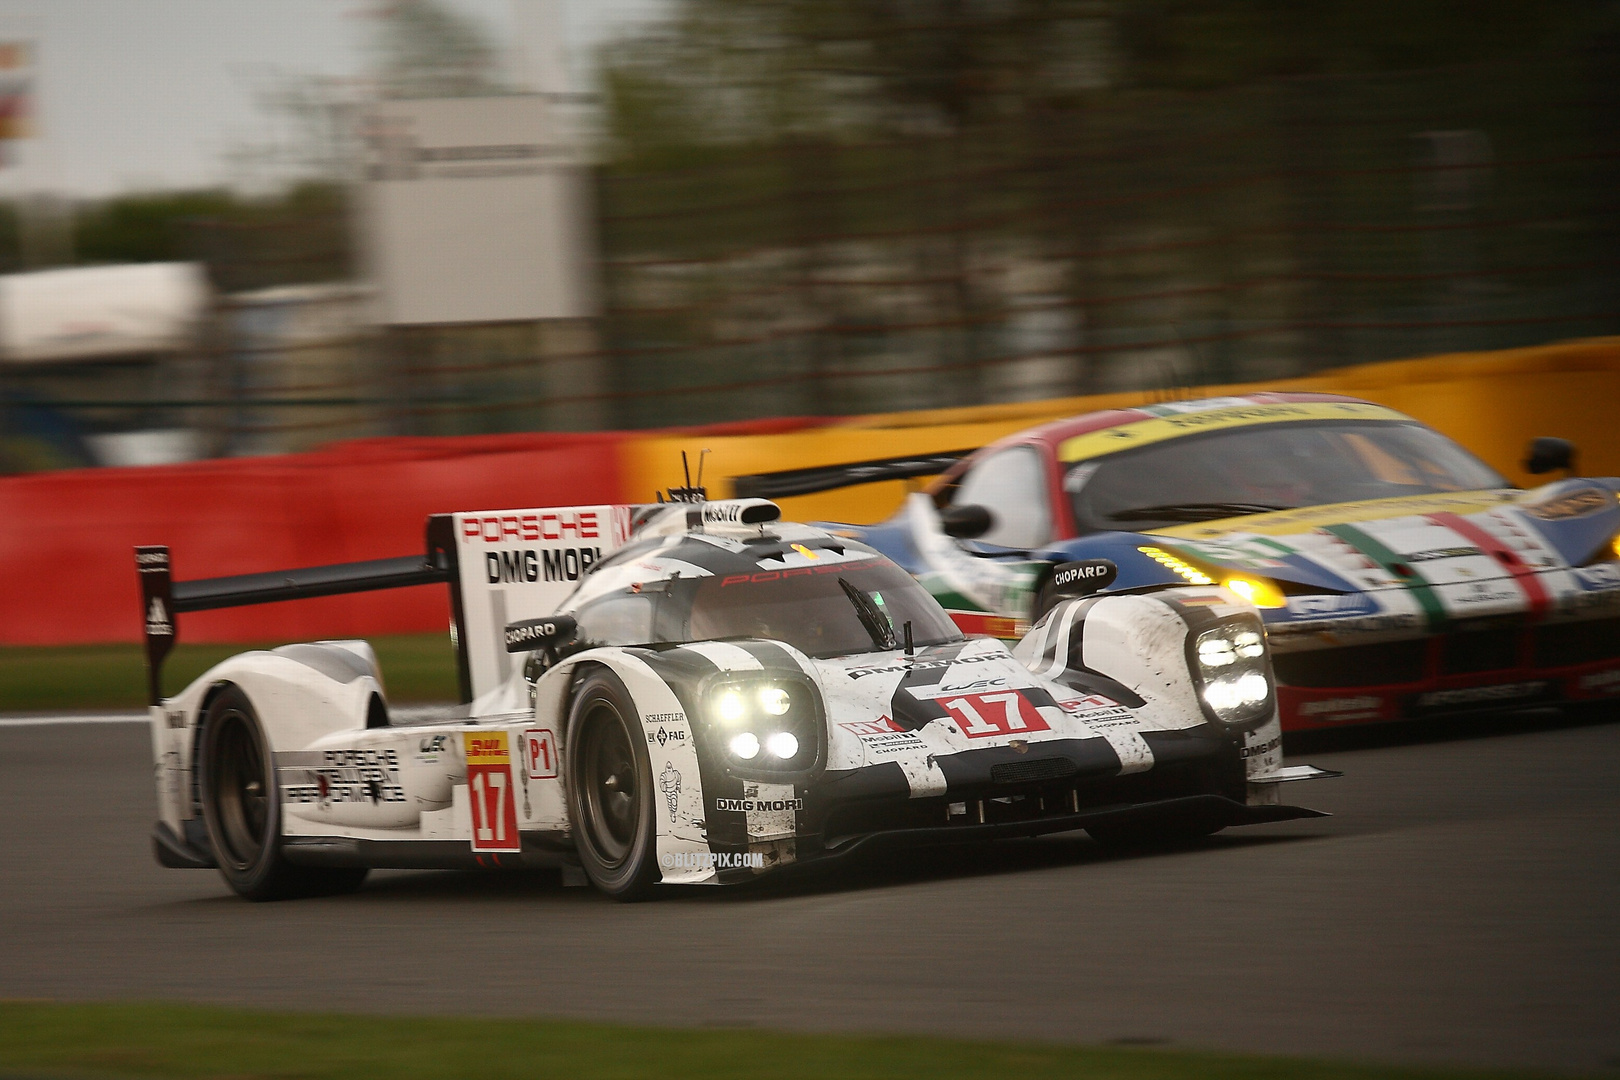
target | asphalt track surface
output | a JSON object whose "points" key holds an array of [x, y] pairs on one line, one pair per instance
{"points": [[1460, 907]]}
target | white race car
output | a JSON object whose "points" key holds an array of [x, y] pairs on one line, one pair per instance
{"points": [[695, 693]]}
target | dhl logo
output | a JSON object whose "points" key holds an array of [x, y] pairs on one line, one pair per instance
{"points": [[487, 748]]}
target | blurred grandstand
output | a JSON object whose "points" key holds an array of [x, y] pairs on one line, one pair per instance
{"points": [[812, 208]]}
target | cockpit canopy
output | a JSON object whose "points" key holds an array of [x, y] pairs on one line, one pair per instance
{"points": [[824, 595]]}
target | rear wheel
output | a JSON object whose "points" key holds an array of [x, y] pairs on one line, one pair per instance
{"points": [[610, 791], [242, 809]]}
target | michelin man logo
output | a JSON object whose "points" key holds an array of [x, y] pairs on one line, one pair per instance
{"points": [[670, 783]]}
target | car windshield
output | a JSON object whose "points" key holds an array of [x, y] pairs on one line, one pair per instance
{"points": [[827, 610], [1270, 467]]}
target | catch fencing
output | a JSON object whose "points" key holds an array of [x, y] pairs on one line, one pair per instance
{"points": [[1138, 239]]}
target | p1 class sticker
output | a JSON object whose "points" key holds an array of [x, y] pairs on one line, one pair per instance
{"points": [[489, 791], [539, 754]]}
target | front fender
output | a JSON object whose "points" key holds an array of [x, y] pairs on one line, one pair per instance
{"points": [[672, 753]]}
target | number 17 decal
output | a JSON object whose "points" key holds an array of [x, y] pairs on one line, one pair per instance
{"points": [[984, 715], [489, 791]]}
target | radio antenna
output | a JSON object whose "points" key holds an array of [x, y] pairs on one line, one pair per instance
{"points": [[691, 493], [701, 455]]}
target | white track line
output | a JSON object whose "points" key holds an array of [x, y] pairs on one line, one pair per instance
{"points": [[56, 721]]}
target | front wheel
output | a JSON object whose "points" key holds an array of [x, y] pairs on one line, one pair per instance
{"points": [[610, 790], [242, 809]]}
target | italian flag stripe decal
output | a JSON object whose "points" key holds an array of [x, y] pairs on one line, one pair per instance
{"points": [[1526, 577], [1375, 550]]}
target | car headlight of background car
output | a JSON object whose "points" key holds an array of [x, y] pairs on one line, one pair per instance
{"points": [[1256, 590], [1232, 671], [766, 724]]}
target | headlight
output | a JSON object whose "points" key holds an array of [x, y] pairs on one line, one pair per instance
{"points": [[1257, 591], [765, 724], [1189, 573], [1232, 672]]}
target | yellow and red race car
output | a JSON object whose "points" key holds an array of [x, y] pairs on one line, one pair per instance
{"points": [[1399, 576]]}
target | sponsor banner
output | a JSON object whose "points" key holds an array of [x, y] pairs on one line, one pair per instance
{"points": [[518, 565], [1308, 709], [1595, 684], [490, 791], [1501, 694]]}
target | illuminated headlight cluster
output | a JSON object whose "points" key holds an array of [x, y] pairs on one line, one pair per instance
{"points": [[766, 725], [1234, 676]]}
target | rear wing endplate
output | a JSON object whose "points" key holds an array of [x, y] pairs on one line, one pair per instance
{"points": [[163, 598], [777, 485]]}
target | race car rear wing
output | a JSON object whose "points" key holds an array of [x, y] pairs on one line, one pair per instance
{"points": [[163, 598], [502, 567], [776, 485]]}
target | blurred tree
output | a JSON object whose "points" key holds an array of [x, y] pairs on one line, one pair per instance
{"points": [[298, 235], [760, 70], [145, 228], [1194, 44], [426, 49]]}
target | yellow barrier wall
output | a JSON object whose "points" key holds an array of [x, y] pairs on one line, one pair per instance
{"points": [[1493, 403]]}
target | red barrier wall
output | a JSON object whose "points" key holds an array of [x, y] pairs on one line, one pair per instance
{"points": [[66, 538]]}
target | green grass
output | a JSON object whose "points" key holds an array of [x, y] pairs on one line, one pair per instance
{"points": [[188, 1041], [416, 667]]}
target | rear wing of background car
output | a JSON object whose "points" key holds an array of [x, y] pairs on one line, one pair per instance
{"points": [[777, 485], [500, 565]]}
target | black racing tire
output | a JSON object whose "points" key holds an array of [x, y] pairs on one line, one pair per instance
{"points": [[1152, 836], [610, 789], [241, 807]]}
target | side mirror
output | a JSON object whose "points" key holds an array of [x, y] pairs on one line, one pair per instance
{"points": [[1546, 454], [1084, 577], [966, 522], [539, 633]]}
